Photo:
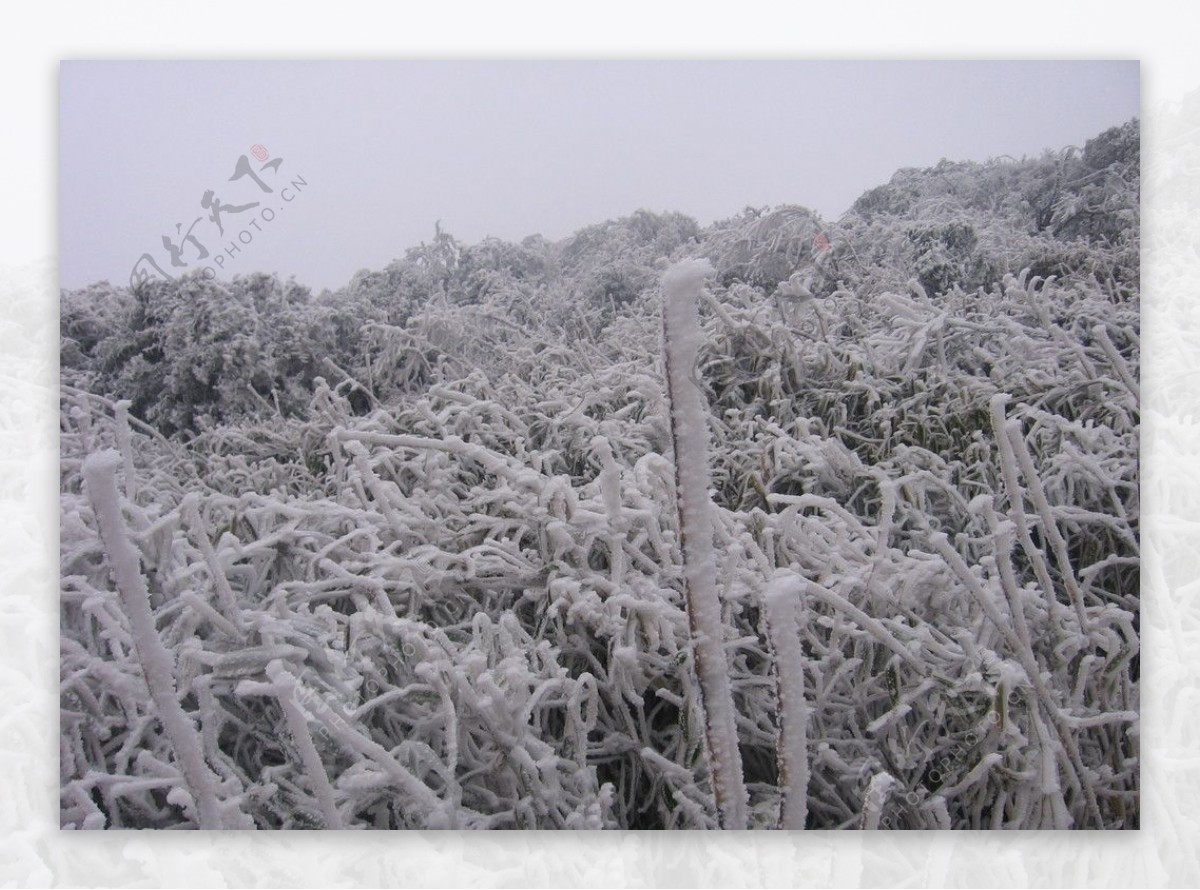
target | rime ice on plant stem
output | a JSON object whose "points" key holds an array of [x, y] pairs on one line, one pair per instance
{"points": [[876, 797], [782, 600], [689, 431], [99, 471], [609, 481]]}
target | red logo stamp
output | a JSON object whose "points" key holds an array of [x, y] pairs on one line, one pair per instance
{"points": [[260, 152]]}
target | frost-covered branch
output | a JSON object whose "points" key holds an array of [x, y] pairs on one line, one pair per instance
{"points": [[100, 473], [689, 433]]}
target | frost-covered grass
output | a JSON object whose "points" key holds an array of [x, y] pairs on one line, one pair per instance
{"points": [[448, 590]]}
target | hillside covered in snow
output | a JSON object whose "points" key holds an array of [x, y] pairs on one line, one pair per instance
{"points": [[408, 555]]}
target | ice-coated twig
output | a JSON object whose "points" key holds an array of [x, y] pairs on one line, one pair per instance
{"points": [[782, 601], [1016, 495], [1012, 430], [297, 722], [99, 472], [225, 596], [689, 433], [878, 791], [1110, 351], [124, 443]]}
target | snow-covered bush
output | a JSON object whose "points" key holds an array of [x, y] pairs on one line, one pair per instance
{"points": [[446, 586]]}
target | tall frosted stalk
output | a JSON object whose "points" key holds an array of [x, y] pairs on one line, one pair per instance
{"points": [[99, 473], [782, 602], [689, 433]]}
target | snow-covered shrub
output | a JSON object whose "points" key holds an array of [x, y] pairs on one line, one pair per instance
{"points": [[448, 588], [763, 246]]}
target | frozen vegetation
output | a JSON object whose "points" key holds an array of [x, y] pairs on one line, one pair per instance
{"points": [[460, 545]]}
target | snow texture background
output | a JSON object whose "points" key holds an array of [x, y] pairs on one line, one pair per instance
{"points": [[35, 853]]}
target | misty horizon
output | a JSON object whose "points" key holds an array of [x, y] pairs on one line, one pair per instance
{"points": [[515, 149]]}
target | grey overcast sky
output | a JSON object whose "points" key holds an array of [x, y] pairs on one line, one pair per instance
{"points": [[510, 149]]}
